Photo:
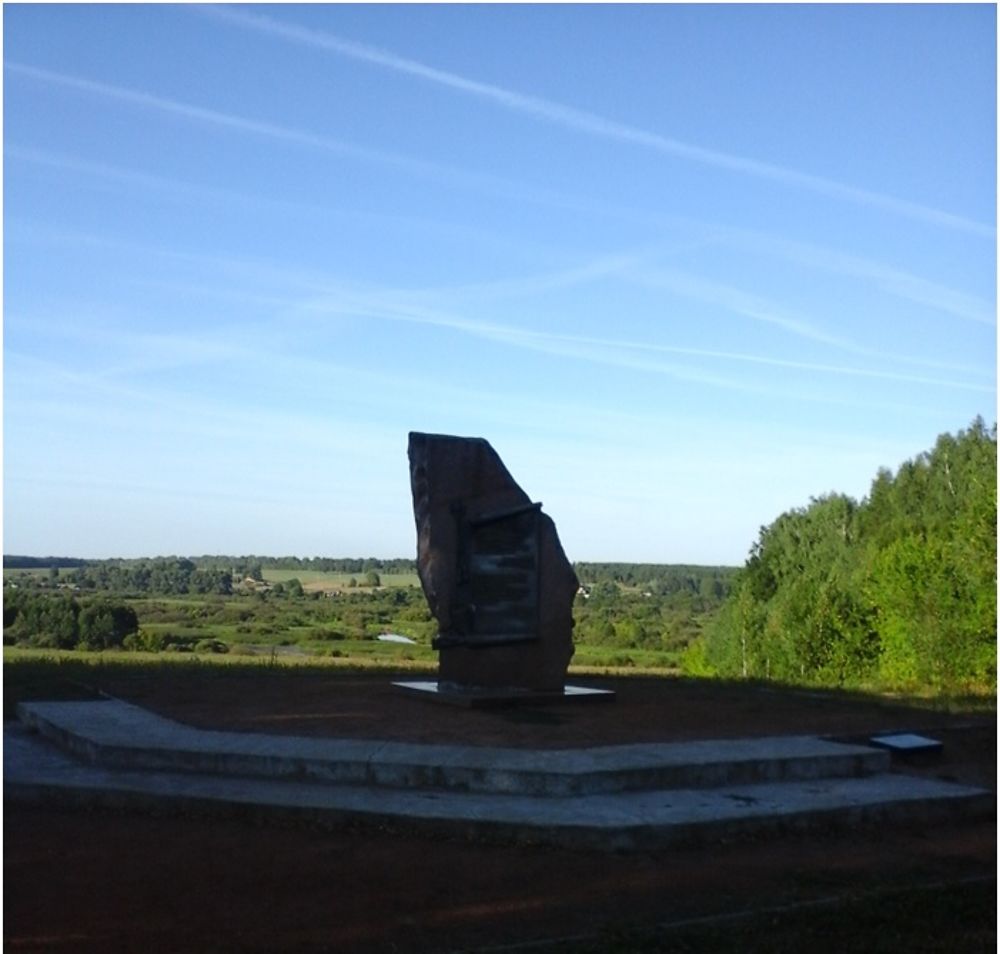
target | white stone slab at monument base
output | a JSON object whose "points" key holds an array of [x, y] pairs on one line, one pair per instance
{"points": [[474, 698], [906, 743]]}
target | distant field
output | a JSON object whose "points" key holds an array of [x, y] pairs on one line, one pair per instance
{"points": [[40, 573], [310, 579], [321, 580]]}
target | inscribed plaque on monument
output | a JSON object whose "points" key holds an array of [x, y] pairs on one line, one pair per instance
{"points": [[503, 576]]}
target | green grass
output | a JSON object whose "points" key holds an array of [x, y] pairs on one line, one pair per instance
{"points": [[26, 672], [70, 674], [588, 658], [362, 654], [65, 674], [51, 673]]}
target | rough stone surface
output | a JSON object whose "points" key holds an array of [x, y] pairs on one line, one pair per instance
{"points": [[492, 568]]}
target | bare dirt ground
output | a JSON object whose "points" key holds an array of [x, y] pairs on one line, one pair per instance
{"points": [[105, 882]]}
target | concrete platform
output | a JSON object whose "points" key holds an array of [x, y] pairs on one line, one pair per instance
{"points": [[118, 735], [116, 755]]}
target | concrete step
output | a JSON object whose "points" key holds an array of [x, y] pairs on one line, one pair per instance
{"points": [[38, 771], [115, 734]]}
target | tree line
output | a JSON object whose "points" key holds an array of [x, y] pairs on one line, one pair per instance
{"points": [[201, 574], [217, 575], [15, 562], [250, 565], [660, 579], [898, 589], [168, 576], [62, 621]]}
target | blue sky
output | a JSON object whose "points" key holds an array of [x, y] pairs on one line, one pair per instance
{"points": [[685, 267]]}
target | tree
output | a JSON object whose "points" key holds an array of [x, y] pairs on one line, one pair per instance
{"points": [[49, 621], [105, 625], [902, 585]]}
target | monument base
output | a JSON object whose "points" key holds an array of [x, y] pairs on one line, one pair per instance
{"points": [[471, 697]]}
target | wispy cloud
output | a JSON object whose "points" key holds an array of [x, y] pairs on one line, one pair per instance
{"points": [[50, 392], [110, 175], [740, 302], [214, 117], [592, 124], [294, 291], [450, 175], [147, 181], [611, 265], [888, 279], [640, 355], [638, 268]]}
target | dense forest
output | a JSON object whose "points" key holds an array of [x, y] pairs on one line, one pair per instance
{"points": [[899, 589]]}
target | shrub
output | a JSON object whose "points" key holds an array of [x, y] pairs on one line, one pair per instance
{"points": [[694, 662], [104, 625], [211, 646], [327, 635], [145, 641]]}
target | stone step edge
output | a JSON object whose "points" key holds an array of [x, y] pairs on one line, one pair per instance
{"points": [[622, 821], [118, 734]]}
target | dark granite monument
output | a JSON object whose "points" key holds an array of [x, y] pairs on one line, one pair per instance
{"points": [[494, 574]]}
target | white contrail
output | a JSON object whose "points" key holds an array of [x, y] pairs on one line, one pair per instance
{"points": [[439, 171], [602, 350], [211, 116], [888, 279], [398, 305], [593, 124]]}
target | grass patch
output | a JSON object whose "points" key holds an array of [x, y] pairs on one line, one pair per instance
{"points": [[28, 672], [592, 658], [69, 674]]}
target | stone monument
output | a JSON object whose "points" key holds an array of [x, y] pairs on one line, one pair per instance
{"points": [[494, 573]]}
